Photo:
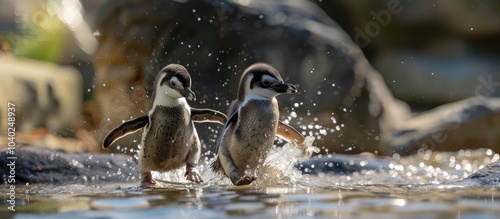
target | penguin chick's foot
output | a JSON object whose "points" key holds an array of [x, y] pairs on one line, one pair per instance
{"points": [[192, 175], [244, 180], [147, 180]]}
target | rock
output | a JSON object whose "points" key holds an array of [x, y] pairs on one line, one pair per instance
{"points": [[458, 19], [356, 165], [340, 98], [42, 165], [471, 123], [44, 94], [82, 141], [343, 101], [342, 164], [423, 46], [487, 176]]}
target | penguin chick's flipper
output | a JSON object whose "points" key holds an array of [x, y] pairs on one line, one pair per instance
{"points": [[289, 133], [208, 115], [124, 129]]}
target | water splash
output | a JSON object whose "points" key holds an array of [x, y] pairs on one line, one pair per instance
{"points": [[277, 170]]}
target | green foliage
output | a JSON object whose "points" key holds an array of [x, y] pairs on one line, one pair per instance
{"points": [[42, 34]]}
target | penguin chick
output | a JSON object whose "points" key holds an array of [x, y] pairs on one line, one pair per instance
{"points": [[249, 133], [169, 138]]}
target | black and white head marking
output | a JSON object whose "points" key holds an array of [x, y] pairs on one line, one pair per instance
{"points": [[172, 85], [263, 82], [259, 86]]}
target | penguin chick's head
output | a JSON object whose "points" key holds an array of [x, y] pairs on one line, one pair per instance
{"points": [[175, 81], [263, 81]]}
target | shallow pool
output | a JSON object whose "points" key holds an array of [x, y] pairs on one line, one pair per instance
{"points": [[425, 185]]}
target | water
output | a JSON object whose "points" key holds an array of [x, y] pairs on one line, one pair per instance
{"points": [[425, 185]]}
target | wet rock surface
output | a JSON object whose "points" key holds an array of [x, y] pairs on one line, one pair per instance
{"points": [[342, 164], [43, 95], [41, 165], [487, 176]]}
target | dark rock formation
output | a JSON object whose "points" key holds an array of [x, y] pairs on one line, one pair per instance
{"points": [[342, 101], [41, 165], [471, 123], [422, 47], [342, 164], [487, 176]]}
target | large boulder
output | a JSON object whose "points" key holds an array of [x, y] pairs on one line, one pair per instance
{"points": [[43, 95], [471, 123], [217, 40], [41, 165]]}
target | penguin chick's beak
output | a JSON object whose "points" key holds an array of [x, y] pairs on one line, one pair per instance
{"points": [[188, 93], [285, 88]]}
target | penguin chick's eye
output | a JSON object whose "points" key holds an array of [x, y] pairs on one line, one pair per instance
{"points": [[266, 83], [173, 84]]}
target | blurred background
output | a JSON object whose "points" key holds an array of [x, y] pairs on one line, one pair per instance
{"points": [[385, 76]]}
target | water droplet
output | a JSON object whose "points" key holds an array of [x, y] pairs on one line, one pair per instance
{"points": [[96, 33], [333, 120]]}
